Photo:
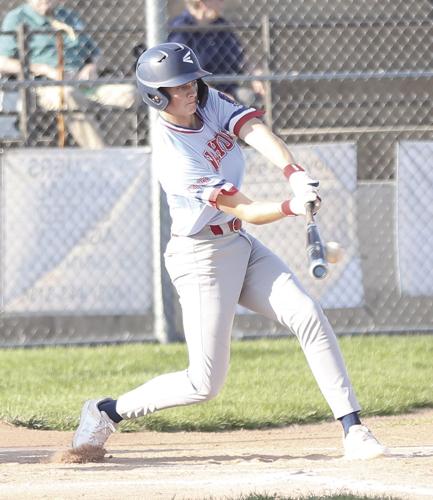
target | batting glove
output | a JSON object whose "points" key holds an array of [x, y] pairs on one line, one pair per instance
{"points": [[296, 206], [299, 180]]}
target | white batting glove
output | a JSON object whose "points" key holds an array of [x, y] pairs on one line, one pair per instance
{"points": [[299, 180], [296, 206]]}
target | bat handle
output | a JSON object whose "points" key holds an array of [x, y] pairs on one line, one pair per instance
{"points": [[309, 217]]}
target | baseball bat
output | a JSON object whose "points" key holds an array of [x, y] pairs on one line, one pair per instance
{"points": [[317, 265]]}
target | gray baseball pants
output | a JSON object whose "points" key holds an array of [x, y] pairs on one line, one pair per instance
{"points": [[212, 274]]}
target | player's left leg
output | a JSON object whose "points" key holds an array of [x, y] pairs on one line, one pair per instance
{"points": [[271, 289]]}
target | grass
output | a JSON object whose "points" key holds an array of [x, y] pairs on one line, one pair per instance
{"points": [[269, 383]]}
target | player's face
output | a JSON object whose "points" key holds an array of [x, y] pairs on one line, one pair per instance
{"points": [[183, 100]]}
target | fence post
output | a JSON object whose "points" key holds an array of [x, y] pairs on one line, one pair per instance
{"points": [[163, 303], [22, 43], [266, 39]]}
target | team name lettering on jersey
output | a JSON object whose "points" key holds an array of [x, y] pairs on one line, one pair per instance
{"points": [[217, 148]]}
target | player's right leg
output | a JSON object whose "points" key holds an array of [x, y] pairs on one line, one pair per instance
{"points": [[208, 275], [95, 426]]}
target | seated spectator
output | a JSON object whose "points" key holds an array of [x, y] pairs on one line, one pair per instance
{"points": [[219, 52], [81, 57]]}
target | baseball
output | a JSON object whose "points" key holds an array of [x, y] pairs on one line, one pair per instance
{"points": [[334, 252]]}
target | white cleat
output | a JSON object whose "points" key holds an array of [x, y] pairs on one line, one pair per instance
{"points": [[95, 426], [360, 444]]}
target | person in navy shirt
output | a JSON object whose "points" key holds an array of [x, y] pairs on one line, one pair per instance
{"points": [[219, 51]]}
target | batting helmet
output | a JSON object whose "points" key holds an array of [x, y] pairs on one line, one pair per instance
{"points": [[168, 65]]}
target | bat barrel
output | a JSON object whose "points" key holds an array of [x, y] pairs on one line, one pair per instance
{"points": [[318, 267], [318, 270]]}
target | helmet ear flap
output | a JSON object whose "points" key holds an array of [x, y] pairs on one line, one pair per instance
{"points": [[156, 98], [160, 98]]}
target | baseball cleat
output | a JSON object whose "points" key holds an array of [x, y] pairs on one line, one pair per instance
{"points": [[95, 426], [360, 444]]}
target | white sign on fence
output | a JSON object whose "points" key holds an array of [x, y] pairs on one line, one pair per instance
{"points": [[76, 235], [413, 220], [335, 165]]}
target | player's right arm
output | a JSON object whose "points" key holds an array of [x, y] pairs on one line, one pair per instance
{"points": [[260, 212]]}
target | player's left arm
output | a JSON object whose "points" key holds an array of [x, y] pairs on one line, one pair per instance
{"points": [[259, 136]]}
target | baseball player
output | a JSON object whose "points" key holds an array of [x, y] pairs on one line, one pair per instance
{"points": [[213, 261]]}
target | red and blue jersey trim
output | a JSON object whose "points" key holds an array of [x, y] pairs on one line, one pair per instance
{"points": [[245, 114], [179, 128]]}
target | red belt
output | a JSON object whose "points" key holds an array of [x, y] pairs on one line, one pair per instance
{"points": [[234, 226]]}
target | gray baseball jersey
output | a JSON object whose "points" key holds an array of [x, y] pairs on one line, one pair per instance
{"points": [[194, 166]]}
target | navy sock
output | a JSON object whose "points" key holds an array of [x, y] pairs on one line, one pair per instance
{"points": [[349, 420], [109, 406]]}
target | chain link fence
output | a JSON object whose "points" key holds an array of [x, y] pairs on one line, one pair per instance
{"points": [[348, 84]]}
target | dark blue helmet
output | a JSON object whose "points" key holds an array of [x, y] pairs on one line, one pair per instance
{"points": [[168, 65]]}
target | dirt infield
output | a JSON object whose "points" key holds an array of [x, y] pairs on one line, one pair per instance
{"points": [[291, 461]]}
